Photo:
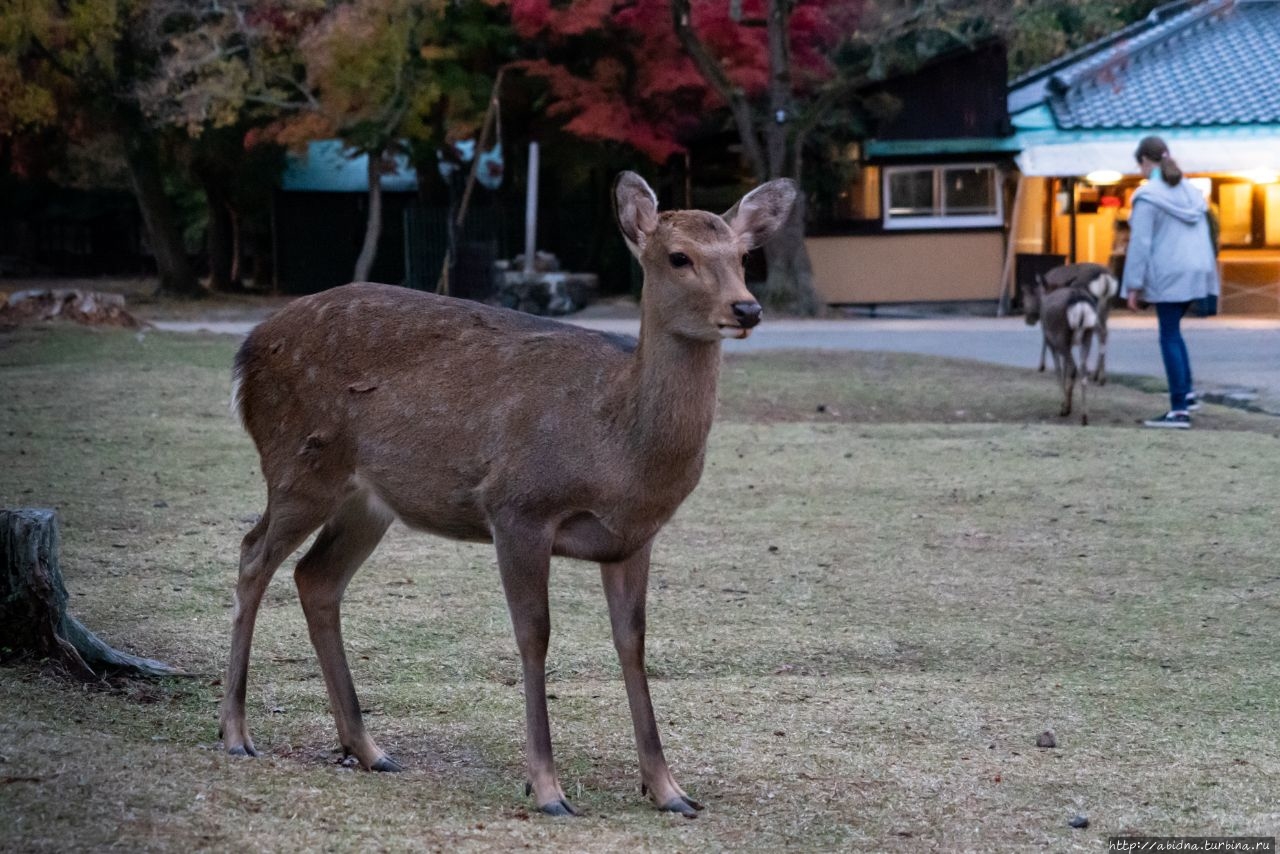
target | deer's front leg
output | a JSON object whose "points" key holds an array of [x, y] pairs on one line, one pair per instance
{"points": [[625, 585], [524, 559]]}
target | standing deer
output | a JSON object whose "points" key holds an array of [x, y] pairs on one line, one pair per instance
{"points": [[1096, 280], [1068, 320], [369, 403]]}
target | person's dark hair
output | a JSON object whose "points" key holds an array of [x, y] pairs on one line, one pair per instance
{"points": [[1154, 149]]}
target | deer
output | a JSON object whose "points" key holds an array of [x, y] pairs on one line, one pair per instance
{"points": [[1068, 319], [1096, 280], [369, 403]]}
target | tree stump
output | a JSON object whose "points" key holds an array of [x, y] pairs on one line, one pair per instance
{"points": [[33, 604]]}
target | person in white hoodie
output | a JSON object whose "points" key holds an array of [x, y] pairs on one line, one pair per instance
{"points": [[1170, 263]]}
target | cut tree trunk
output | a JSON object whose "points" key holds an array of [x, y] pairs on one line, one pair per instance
{"points": [[33, 604]]}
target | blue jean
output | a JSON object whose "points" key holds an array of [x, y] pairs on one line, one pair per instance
{"points": [[1177, 364]]}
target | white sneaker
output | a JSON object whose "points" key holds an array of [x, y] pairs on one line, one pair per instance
{"points": [[1193, 401], [1179, 420]]}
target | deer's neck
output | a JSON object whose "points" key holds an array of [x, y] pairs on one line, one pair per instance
{"points": [[674, 397]]}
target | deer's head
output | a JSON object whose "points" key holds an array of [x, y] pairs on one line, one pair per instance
{"points": [[693, 260]]}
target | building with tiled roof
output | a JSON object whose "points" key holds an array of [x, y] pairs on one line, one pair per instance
{"points": [[976, 184], [1205, 76]]}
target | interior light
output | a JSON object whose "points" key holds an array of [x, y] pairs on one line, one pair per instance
{"points": [[1104, 177], [1259, 176], [1204, 185]]}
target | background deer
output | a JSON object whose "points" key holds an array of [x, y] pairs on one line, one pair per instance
{"points": [[1068, 320], [1096, 280], [369, 403]]}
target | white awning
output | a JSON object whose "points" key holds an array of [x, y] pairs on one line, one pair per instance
{"points": [[1201, 153]]}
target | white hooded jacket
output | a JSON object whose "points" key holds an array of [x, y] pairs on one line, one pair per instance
{"points": [[1170, 256]]}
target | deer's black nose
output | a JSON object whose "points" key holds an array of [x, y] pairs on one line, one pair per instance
{"points": [[747, 313]]}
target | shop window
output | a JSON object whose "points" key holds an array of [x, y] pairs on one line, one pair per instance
{"points": [[859, 198], [1271, 214], [951, 196], [1235, 214]]}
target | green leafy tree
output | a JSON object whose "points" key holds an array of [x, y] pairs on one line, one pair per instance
{"points": [[68, 71], [386, 77], [1040, 31], [198, 93]]}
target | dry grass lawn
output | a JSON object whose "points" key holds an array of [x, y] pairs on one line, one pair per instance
{"points": [[859, 624]]}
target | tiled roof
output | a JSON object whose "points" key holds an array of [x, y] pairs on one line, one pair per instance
{"points": [[1208, 64]]}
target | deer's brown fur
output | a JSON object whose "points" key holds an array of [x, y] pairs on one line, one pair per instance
{"points": [[370, 402]]}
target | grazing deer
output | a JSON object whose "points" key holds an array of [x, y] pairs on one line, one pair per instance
{"points": [[1068, 320], [369, 403], [1096, 280]]}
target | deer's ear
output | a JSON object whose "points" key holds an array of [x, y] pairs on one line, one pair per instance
{"points": [[761, 213], [635, 207]]}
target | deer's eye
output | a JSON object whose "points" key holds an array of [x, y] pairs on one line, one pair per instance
{"points": [[679, 259]]}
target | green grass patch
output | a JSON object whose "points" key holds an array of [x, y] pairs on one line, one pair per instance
{"points": [[859, 624]]}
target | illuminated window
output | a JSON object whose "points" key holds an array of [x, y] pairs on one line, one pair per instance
{"points": [[860, 197], [953, 196], [1235, 214], [1271, 213]]}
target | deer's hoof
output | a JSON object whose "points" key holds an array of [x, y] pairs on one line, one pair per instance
{"points": [[1084, 420], [686, 807], [386, 763], [560, 807], [245, 749]]}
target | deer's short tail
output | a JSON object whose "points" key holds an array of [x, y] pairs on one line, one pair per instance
{"points": [[239, 372], [1081, 314]]}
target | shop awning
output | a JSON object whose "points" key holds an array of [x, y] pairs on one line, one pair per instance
{"points": [[1199, 150]]}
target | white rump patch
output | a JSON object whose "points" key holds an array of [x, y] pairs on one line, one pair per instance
{"points": [[1082, 316], [1104, 286]]}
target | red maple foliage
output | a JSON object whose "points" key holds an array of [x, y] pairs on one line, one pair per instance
{"points": [[640, 88]]}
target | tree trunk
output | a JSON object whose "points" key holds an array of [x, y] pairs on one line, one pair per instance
{"points": [[373, 228], [770, 144], [33, 604], [159, 218], [220, 240], [789, 286]]}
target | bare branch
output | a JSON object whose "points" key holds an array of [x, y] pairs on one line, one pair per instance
{"points": [[710, 68]]}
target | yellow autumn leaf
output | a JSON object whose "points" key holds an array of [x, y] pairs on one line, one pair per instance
{"points": [[434, 52]]}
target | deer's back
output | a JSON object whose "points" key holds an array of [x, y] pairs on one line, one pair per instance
{"points": [[437, 405]]}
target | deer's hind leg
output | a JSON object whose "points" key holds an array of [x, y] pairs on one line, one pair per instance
{"points": [[1086, 341], [288, 520], [1100, 370], [346, 540]]}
